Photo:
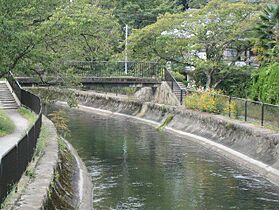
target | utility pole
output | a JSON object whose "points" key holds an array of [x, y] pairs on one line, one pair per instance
{"points": [[126, 49]]}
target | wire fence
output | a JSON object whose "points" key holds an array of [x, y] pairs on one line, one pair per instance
{"points": [[14, 162]]}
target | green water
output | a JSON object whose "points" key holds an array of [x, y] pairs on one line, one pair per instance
{"points": [[134, 166]]}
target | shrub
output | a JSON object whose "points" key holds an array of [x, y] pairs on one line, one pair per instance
{"points": [[265, 84], [179, 77], [209, 101], [231, 108]]}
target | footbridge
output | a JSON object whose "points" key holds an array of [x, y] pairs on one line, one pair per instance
{"points": [[90, 73]]}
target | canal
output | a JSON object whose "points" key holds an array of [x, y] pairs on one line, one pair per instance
{"points": [[135, 166]]}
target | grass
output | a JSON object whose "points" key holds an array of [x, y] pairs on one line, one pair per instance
{"points": [[7, 126], [42, 141], [27, 114]]}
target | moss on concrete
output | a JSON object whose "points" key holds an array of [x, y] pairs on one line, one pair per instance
{"points": [[166, 122]]}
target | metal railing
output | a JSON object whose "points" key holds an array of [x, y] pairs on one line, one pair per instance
{"points": [[14, 162], [175, 87], [118, 68], [247, 110]]}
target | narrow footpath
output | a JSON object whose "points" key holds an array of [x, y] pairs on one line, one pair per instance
{"points": [[22, 125], [9, 105]]}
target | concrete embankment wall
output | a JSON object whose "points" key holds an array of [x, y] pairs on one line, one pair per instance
{"points": [[35, 192], [254, 147]]}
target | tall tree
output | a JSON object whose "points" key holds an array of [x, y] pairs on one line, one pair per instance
{"points": [[199, 38], [20, 29], [140, 13], [267, 35], [39, 35]]}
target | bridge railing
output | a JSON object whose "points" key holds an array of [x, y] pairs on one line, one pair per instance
{"points": [[13, 163], [118, 69]]}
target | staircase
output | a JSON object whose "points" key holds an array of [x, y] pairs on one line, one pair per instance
{"points": [[177, 89], [7, 100]]}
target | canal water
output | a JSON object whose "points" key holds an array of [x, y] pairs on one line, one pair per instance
{"points": [[135, 166]]}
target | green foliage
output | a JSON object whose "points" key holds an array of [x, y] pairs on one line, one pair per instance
{"points": [[166, 122], [197, 4], [238, 82], [60, 120], [180, 37], [38, 36], [140, 13], [210, 101], [179, 77], [42, 141], [20, 30], [265, 85], [267, 35], [7, 126]]}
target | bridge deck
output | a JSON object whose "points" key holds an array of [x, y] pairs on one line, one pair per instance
{"points": [[88, 80]]}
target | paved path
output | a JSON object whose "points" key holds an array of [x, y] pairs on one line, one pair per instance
{"points": [[8, 142]]}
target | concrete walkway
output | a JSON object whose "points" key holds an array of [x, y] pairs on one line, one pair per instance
{"points": [[8, 142]]}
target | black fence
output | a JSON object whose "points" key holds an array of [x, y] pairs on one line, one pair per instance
{"points": [[246, 110], [14, 162]]}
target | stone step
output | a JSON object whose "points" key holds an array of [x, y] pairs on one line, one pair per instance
{"points": [[7, 100], [6, 108]]}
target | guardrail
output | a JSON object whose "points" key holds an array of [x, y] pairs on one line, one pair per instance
{"points": [[14, 162]]}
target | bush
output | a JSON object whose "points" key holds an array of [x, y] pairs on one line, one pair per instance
{"points": [[179, 77], [211, 101], [265, 85]]}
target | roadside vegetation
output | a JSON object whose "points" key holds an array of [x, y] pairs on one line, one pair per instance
{"points": [[7, 126]]}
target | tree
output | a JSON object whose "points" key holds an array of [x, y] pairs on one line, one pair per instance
{"points": [[197, 3], [183, 38], [267, 35], [44, 35], [20, 29], [140, 13], [265, 85]]}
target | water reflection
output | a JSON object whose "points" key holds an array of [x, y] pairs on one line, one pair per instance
{"points": [[134, 166]]}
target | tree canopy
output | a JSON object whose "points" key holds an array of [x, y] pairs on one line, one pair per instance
{"points": [[199, 38], [45, 34]]}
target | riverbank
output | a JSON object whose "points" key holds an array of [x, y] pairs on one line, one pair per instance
{"points": [[253, 147]]}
